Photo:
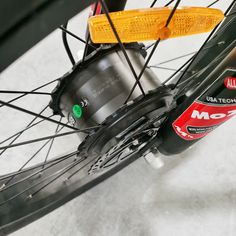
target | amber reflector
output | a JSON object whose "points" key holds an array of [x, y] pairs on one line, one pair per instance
{"points": [[149, 24]]}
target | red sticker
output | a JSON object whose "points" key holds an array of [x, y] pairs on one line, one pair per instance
{"points": [[200, 119], [230, 83]]}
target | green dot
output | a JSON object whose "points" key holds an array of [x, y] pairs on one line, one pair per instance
{"points": [[77, 111]]}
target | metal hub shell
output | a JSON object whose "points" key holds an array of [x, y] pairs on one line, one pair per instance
{"points": [[103, 85]]}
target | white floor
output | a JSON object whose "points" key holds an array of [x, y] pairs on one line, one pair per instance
{"points": [[194, 194]]}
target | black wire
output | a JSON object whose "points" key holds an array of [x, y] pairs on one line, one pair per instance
{"points": [[66, 45]]}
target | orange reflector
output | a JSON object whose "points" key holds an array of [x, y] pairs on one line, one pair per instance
{"points": [[149, 24]]}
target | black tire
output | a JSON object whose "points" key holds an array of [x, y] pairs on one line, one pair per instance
{"points": [[28, 18]]}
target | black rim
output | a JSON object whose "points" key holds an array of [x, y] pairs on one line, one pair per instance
{"points": [[68, 162]]}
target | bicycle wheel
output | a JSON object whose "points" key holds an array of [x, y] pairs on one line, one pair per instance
{"points": [[118, 134]]}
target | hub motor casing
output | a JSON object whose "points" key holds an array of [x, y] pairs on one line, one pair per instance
{"points": [[103, 86]]}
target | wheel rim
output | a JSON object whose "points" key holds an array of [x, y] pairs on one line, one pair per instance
{"points": [[60, 125]]}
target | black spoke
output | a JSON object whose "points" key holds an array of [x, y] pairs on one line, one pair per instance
{"points": [[149, 46], [189, 62], [23, 130], [25, 92], [169, 3], [175, 73], [163, 68], [57, 174], [86, 48], [53, 161], [153, 3], [231, 14], [197, 73], [21, 96], [59, 160], [175, 58], [104, 6], [88, 36], [17, 135], [68, 168], [229, 8], [30, 159], [51, 143], [71, 175], [185, 55], [35, 114], [49, 137], [213, 3], [153, 50], [75, 36]]}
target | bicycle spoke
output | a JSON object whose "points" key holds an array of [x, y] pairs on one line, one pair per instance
{"points": [[51, 143], [21, 132], [70, 167], [197, 73], [153, 3], [213, 3], [35, 114], [75, 36], [88, 36], [174, 59], [59, 160], [26, 92], [53, 161], [121, 45], [30, 159], [49, 137], [175, 73], [169, 3], [21, 96], [153, 50], [59, 172], [163, 68], [229, 8], [189, 62], [68, 178], [184, 55]]}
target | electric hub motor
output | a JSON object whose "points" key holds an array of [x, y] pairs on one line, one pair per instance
{"points": [[94, 94]]}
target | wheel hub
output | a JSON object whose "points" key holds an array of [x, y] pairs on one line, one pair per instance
{"points": [[100, 87], [94, 95]]}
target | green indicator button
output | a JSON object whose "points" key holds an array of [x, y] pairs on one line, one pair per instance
{"points": [[77, 111]]}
